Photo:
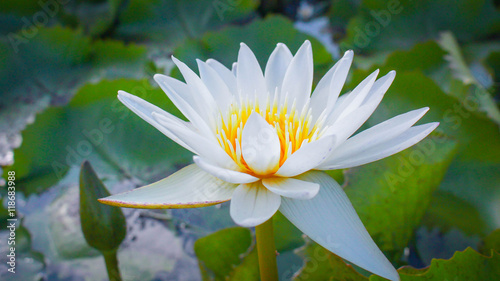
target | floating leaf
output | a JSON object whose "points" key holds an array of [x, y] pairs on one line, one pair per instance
{"points": [[388, 25], [461, 71], [491, 242], [447, 211], [321, 264], [171, 22], [48, 68], [222, 258], [391, 195], [220, 252], [90, 127], [262, 37], [435, 244], [466, 265]]}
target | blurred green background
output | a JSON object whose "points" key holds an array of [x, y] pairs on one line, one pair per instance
{"points": [[62, 63]]}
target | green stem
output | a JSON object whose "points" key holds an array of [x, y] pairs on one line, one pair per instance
{"points": [[112, 265], [266, 251]]}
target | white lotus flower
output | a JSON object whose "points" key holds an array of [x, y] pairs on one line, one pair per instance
{"points": [[260, 139]]}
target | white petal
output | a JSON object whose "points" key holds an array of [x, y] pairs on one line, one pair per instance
{"points": [[179, 94], [378, 134], [234, 69], [260, 145], [307, 157], [298, 79], [349, 124], [388, 148], [204, 101], [380, 87], [252, 204], [225, 74], [331, 221], [249, 76], [215, 85], [292, 188], [328, 89], [276, 68], [202, 146], [226, 175], [354, 99], [145, 110], [344, 127], [189, 187]]}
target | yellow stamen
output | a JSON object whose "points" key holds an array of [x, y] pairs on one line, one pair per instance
{"points": [[293, 128]]}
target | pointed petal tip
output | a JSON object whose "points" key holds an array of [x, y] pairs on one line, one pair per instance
{"points": [[122, 94], [390, 75], [433, 125], [244, 48], [110, 202], [158, 77], [348, 55]]}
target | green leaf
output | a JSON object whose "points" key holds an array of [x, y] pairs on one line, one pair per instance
{"points": [[461, 71], [477, 183], [466, 265], [391, 195], [445, 65], [104, 227], [389, 25], [321, 264], [286, 235], [171, 22], [50, 67], [95, 17], [447, 211], [240, 261], [220, 252], [436, 244], [261, 36], [491, 242], [96, 126], [341, 11], [478, 137], [473, 177]]}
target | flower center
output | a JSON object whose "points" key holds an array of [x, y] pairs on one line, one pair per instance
{"points": [[293, 127]]}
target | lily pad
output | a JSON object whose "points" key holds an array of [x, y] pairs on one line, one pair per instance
{"points": [[391, 195], [491, 242], [48, 68], [465, 265], [262, 36], [388, 25], [219, 253], [321, 264], [447, 211], [90, 127], [171, 22], [229, 254]]}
